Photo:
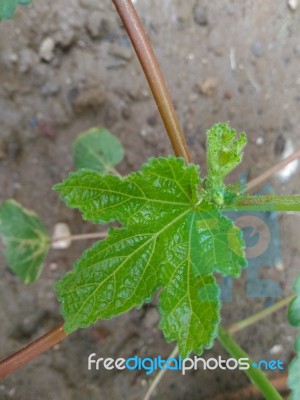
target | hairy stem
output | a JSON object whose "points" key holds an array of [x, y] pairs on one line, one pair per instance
{"points": [[32, 350], [150, 65], [257, 377]]}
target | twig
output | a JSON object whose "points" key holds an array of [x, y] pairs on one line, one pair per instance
{"points": [[267, 174], [159, 376], [157, 83], [32, 350], [83, 236], [260, 315]]}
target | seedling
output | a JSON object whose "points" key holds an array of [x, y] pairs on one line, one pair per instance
{"points": [[174, 236]]}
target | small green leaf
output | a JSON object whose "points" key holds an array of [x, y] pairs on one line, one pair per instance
{"points": [[26, 240], [224, 153], [293, 373], [8, 7], [168, 240], [294, 307], [97, 149]]}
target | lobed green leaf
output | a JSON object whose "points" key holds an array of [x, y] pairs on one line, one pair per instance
{"points": [[167, 241]]}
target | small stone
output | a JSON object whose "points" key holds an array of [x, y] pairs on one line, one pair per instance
{"points": [[13, 58], [257, 49], [259, 141], [90, 97], [208, 87], [200, 15], [61, 230], [276, 349], [293, 4], [46, 51], [65, 37]]}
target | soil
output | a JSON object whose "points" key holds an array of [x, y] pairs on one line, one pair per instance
{"points": [[67, 66]]}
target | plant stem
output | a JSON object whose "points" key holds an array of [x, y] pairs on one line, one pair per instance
{"points": [[150, 65], [83, 236], [159, 376], [267, 174], [32, 350], [260, 315], [257, 377]]}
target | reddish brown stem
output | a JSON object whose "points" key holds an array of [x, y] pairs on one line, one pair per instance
{"points": [[157, 83], [32, 350]]}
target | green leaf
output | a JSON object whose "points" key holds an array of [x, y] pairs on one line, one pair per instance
{"points": [[25, 238], [8, 7], [97, 149], [167, 241], [224, 153], [294, 307], [293, 373]]}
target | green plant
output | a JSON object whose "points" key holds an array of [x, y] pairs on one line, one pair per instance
{"points": [[173, 235]]}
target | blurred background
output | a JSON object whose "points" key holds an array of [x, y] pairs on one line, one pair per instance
{"points": [[67, 66]]}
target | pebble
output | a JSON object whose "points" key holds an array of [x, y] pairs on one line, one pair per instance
{"points": [[293, 4], [200, 15], [61, 230], [208, 87], [89, 97], [46, 50], [65, 37], [276, 349], [259, 141]]}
